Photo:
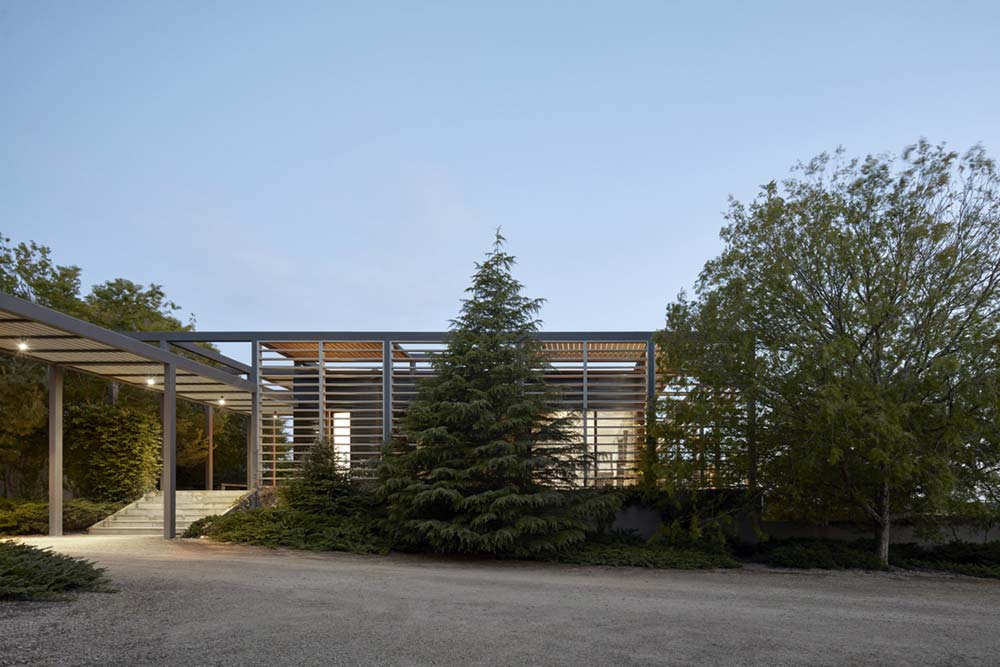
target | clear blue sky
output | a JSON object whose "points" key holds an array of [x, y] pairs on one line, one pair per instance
{"points": [[340, 166]]}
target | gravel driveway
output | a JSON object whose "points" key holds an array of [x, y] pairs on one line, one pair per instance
{"points": [[190, 602]]}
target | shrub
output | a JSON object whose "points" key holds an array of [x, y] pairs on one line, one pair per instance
{"points": [[326, 488], [115, 450], [972, 559], [637, 555], [32, 517], [288, 527], [816, 554], [30, 573]]}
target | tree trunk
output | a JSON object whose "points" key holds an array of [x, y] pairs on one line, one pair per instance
{"points": [[884, 525]]}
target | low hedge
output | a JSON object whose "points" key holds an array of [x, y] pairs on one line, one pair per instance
{"points": [[978, 560], [644, 555], [288, 527], [30, 573], [972, 559], [816, 554], [31, 517]]}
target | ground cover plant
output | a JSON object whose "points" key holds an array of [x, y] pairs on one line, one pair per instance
{"points": [[30, 573], [977, 560], [288, 527], [31, 517], [627, 549], [325, 509]]}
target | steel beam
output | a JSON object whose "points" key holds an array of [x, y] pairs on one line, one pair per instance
{"points": [[33, 313], [375, 336], [55, 450], [168, 480]]}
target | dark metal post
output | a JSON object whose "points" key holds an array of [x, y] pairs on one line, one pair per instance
{"points": [[650, 373], [386, 389], [168, 481], [209, 461], [55, 450], [586, 468], [321, 393], [254, 432]]}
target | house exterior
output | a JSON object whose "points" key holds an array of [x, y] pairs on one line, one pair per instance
{"points": [[348, 388], [352, 388]]}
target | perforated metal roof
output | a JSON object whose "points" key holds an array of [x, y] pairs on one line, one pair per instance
{"points": [[46, 335]]}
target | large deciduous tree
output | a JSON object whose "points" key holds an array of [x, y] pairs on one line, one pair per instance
{"points": [[28, 271], [874, 294], [483, 461]]}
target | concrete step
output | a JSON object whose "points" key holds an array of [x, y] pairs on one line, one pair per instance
{"points": [[158, 518], [145, 516]]}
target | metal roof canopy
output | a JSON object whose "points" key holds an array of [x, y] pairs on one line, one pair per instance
{"points": [[369, 336], [46, 335]]}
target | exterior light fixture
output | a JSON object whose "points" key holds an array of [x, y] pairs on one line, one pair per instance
{"points": [[150, 381], [22, 346], [222, 400]]}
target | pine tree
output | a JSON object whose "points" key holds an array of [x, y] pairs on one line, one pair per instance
{"points": [[483, 464]]}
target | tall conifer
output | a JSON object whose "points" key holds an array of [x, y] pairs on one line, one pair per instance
{"points": [[484, 464]]}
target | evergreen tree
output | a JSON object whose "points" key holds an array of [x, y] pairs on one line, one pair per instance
{"points": [[483, 464]]}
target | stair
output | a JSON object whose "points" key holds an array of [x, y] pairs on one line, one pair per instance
{"points": [[145, 516]]}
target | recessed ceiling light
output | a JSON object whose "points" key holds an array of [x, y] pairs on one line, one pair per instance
{"points": [[22, 346]]}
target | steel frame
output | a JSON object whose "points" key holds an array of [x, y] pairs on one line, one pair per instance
{"points": [[301, 394]]}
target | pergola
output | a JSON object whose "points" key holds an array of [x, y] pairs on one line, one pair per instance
{"points": [[48, 336]]}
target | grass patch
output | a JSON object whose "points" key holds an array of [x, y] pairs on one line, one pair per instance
{"points": [[30, 573], [288, 527], [31, 517]]}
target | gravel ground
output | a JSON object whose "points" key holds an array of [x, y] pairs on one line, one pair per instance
{"points": [[190, 602]]}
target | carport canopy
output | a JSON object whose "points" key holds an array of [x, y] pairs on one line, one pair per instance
{"points": [[61, 341]]}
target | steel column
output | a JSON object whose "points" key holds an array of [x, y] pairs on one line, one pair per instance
{"points": [[321, 394], [586, 468], [209, 461], [55, 450], [254, 432], [650, 372], [386, 390], [168, 481]]}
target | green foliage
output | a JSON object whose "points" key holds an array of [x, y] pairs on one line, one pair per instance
{"points": [[115, 451], [27, 271], [818, 554], [326, 487], [483, 463], [23, 517], [287, 527], [629, 551], [30, 573], [977, 560], [974, 560], [842, 354]]}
